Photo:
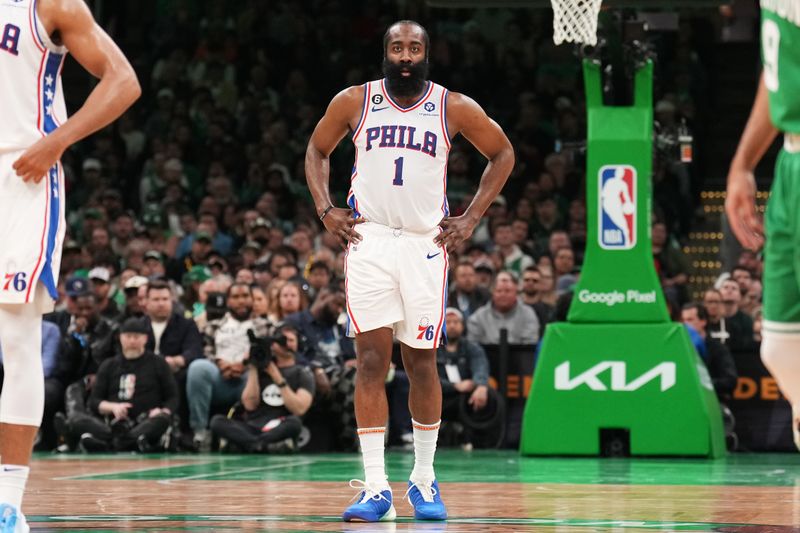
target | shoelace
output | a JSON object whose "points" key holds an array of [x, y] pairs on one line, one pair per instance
{"points": [[425, 489], [370, 492]]}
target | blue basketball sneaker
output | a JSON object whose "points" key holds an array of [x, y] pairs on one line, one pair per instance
{"points": [[11, 520], [371, 504], [426, 501]]}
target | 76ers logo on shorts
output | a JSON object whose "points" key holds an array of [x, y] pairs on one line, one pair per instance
{"points": [[425, 329], [617, 207]]}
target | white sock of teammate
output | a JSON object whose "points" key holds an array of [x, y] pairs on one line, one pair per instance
{"points": [[12, 484], [779, 352], [425, 437], [372, 446], [779, 349]]}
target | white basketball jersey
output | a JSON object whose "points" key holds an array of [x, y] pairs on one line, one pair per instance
{"points": [[400, 171], [32, 103]]}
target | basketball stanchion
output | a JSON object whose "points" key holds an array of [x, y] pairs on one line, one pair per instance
{"points": [[619, 377]]}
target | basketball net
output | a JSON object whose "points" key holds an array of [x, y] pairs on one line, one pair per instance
{"points": [[575, 21]]}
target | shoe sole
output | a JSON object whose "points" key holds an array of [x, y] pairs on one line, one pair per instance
{"points": [[389, 516]]}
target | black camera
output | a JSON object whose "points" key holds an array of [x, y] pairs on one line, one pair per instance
{"points": [[215, 305], [261, 348]]}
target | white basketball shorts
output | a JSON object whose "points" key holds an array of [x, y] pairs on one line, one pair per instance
{"points": [[31, 232], [398, 279]]}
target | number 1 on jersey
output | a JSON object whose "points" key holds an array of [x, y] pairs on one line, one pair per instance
{"points": [[398, 172]]}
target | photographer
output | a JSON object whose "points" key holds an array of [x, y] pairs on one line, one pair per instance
{"points": [[278, 392]]}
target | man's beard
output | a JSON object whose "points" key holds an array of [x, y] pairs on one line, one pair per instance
{"points": [[405, 86], [244, 315]]}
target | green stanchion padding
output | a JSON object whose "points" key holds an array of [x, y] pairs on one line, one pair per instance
{"points": [[619, 363], [646, 378], [618, 282]]}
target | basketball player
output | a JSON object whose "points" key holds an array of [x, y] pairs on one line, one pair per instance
{"points": [[35, 36], [776, 109], [396, 263]]}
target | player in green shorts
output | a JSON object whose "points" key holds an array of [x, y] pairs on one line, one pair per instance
{"points": [[776, 109]]}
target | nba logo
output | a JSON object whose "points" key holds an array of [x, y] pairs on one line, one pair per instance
{"points": [[617, 199]]}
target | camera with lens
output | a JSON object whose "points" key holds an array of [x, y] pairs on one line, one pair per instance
{"points": [[261, 348]]}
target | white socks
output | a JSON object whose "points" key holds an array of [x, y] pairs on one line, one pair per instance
{"points": [[12, 484], [425, 437], [372, 454]]}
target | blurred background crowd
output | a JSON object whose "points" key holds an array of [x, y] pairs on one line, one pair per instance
{"points": [[191, 215]]}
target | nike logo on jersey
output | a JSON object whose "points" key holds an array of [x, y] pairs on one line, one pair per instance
{"points": [[379, 108], [434, 255]]}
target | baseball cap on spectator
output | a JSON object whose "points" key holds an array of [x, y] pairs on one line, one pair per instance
{"points": [[216, 260], [153, 254], [484, 266], [565, 283], [197, 274], [252, 245], [454, 311], [166, 93], [260, 222], [100, 273], [135, 282], [202, 236], [134, 325], [75, 287], [92, 164]]}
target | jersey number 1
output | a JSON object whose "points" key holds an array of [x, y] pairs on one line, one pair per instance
{"points": [[398, 172]]}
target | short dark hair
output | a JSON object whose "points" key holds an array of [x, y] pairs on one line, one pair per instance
{"points": [[316, 265], [238, 284], [464, 262], [702, 313], [158, 285], [501, 224], [426, 40], [504, 272], [532, 268]]}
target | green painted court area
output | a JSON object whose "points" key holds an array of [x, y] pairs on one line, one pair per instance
{"points": [[454, 466]]}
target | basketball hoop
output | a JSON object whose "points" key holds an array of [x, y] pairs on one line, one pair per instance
{"points": [[575, 21]]}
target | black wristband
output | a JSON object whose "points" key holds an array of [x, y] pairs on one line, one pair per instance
{"points": [[327, 210], [282, 384]]}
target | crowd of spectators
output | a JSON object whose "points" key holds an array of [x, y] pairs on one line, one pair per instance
{"points": [[189, 221]]}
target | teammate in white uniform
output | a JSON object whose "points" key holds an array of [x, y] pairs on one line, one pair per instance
{"points": [[35, 36], [396, 264]]}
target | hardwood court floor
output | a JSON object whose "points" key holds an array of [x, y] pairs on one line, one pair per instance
{"points": [[484, 490]]}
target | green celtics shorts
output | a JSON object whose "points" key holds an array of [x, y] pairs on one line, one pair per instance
{"points": [[782, 247]]}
